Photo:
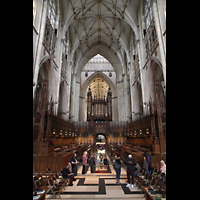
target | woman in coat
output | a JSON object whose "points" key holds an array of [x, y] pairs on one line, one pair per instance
{"points": [[84, 161]]}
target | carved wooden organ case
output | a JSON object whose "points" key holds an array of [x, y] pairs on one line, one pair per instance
{"points": [[99, 109]]}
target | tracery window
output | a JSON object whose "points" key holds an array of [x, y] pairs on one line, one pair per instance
{"points": [[136, 58], [34, 11], [50, 30], [150, 36], [51, 12], [165, 8], [148, 12], [64, 57], [64, 49]]}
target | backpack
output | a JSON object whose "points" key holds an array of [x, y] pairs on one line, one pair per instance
{"points": [[117, 166]]}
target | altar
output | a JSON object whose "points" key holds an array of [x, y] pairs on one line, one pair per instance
{"points": [[101, 151], [100, 167]]}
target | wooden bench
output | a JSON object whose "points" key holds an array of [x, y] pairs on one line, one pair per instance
{"points": [[149, 193], [42, 183], [161, 187], [40, 196], [56, 189]]}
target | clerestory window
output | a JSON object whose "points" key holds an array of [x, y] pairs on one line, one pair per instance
{"points": [[50, 30]]}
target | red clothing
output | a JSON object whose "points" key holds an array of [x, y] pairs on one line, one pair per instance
{"points": [[84, 159]]}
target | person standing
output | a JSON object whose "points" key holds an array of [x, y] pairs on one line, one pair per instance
{"points": [[146, 164], [74, 163], [118, 171], [162, 170], [137, 169], [84, 161], [131, 162], [105, 161], [92, 163], [149, 160], [163, 167]]}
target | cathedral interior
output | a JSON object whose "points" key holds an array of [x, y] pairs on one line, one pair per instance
{"points": [[99, 85]]}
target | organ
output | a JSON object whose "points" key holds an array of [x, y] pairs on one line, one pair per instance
{"points": [[99, 109]]}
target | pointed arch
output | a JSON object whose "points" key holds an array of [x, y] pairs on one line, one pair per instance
{"points": [[93, 76], [158, 72], [83, 95], [105, 52]]}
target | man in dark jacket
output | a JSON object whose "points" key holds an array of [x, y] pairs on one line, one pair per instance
{"points": [[67, 174], [74, 163], [92, 163], [105, 161], [131, 162]]}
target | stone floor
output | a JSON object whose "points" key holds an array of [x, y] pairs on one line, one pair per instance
{"points": [[100, 186]]}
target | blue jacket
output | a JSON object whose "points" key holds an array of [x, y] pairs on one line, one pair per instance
{"points": [[92, 161], [131, 166]]}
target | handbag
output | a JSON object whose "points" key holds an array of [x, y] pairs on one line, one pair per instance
{"points": [[117, 166]]}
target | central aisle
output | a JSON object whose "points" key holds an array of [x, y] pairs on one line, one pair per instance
{"points": [[97, 160]]}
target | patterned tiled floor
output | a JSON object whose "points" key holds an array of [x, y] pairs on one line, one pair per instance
{"points": [[100, 186]]}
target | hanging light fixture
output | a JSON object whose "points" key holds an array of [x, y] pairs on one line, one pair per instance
{"points": [[110, 74]]}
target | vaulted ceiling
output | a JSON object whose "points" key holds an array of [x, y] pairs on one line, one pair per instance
{"points": [[94, 22], [99, 87]]}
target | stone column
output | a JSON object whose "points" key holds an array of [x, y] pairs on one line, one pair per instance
{"points": [[41, 37], [114, 107], [57, 59], [127, 97], [135, 101], [68, 70], [82, 109], [142, 77], [121, 102], [160, 40], [131, 72], [71, 116], [77, 98], [65, 109], [67, 88]]}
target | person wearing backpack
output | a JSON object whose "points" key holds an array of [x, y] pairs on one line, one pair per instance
{"points": [[117, 167]]}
